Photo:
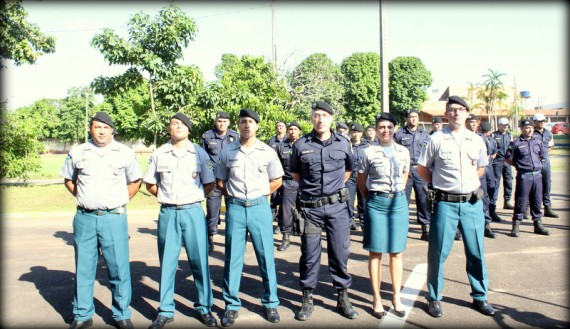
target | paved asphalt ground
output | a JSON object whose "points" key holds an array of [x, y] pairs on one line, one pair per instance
{"points": [[528, 278]]}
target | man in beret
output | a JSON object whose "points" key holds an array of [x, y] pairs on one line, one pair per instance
{"points": [[214, 141], [414, 138], [436, 125], [358, 145], [248, 171], [180, 174], [526, 154], [274, 142], [451, 163], [102, 175], [342, 128], [370, 135], [321, 163], [290, 187]]}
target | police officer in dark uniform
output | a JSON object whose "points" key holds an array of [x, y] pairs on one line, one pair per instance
{"points": [[436, 125], [370, 135], [103, 175], [322, 162], [213, 141], [547, 139], [503, 170], [289, 188], [342, 129], [489, 172], [274, 142], [358, 146], [414, 138], [526, 154]]}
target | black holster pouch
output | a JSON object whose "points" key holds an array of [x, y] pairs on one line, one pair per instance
{"points": [[431, 196]]}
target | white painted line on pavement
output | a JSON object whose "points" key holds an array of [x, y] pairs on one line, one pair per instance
{"points": [[409, 294]]}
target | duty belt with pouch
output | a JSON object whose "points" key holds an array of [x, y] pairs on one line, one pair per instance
{"points": [[339, 196], [472, 197]]}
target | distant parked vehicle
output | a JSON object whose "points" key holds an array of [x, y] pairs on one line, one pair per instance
{"points": [[549, 126], [561, 128]]}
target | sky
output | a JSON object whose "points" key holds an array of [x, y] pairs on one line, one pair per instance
{"points": [[458, 42]]}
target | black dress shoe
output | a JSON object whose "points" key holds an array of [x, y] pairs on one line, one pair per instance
{"points": [[125, 324], [160, 322], [229, 318], [484, 307], [399, 313], [434, 308], [208, 319], [272, 315], [81, 324]]}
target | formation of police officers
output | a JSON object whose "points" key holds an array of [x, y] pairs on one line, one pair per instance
{"points": [[312, 173]]}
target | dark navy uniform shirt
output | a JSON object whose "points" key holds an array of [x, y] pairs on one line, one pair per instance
{"points": [[546, 138], [275, 141], [284, 151], [491, 146], [413, 141], [526, 154], [503, 141], [322, 166], [213, 143], [358, 153]]}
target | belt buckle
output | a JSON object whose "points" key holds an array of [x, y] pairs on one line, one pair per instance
{"points": [[247, 204], [178, 207], [100, 212]]}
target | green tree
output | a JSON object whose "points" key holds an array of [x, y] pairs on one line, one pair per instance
{"points": [[151, 52], [492, 93], [20, 40], [361, 87], [317, 77], [408, 80], [472, 91], [45, 113], [72, 127], [19, 154]]}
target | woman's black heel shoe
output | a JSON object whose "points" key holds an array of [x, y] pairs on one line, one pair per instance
{"points": [[400, 314], [378, 314]]}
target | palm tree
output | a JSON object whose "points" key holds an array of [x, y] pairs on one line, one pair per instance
{"points": [[493, 93]]}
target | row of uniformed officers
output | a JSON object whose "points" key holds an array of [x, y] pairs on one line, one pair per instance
{"points": [[181, 174]]}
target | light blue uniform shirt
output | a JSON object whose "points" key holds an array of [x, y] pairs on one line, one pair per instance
{"points": [[247, 172], [453, 160], [101, 174], [179, 173], [385, 172]]}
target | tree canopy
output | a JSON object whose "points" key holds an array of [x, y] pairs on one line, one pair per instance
{"points": [[408, 80]]}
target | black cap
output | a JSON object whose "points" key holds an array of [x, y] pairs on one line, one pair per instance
{"points": [[249, 113], [525, 122], [356, 127], [472, 117], [385, 116], [103, 117], [222, 115], [320, 105], [182, 117], [341, 124], [457, 100], [410, 111], [294, 124], [485, 127], [370, 126], [436, 120]]}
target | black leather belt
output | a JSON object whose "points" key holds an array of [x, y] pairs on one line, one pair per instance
{"points": [[101, 212], [386, 194], [535, 172], [340, 196], [450, 197], [181, 206], [248, 202]]}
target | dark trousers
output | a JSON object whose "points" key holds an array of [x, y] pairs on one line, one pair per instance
{"points": [[289, 191], [528, 188], [546, 183], [487, 181], [213, 208], [504, 170], [275, 202], [415, 181], [333, 219], [354, 195]]}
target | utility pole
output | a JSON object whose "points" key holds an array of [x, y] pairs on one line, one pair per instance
{"points": [[273, 46], [383, 64], [86, 114]]}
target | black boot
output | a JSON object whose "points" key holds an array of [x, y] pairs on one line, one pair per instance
{"points": [[276, 230], [284, 243], [425, 232], [549, 213], [508, 205], [527, 213], [515, 229], [344, 306], [539, 229], [488, 232], [493, 213], [307, 306], [210, 243], [354, 226], [458, 235]]}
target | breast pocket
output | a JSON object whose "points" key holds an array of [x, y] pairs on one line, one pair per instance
{"points": [[310, 163], [334, 162], [446, 157], [236, 170], [260, 170], [213, 148], [378, 169], [165, 174]]}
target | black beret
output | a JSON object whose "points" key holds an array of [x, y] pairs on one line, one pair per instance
{"points": [[410, 111], [370, 127], [320, 105], [457, 100], [341, 124], [436, 120], [180, 116], [472, 117], [385, 116], [103, 117], [294, 124], [249, 113], [485, 127], [356, 127], [222, 115], [525, 122]]}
